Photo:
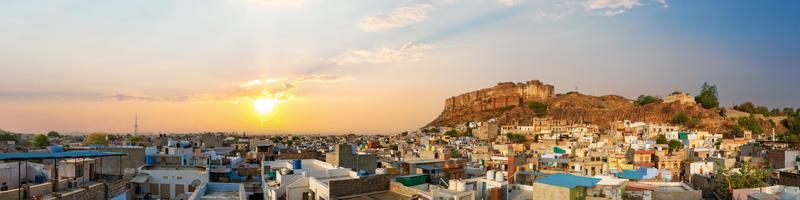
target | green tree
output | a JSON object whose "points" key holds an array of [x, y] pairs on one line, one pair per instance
{"points": [[468, 133], [747, 177], [454, 153], [709, 97], [683, 119], [96, 138], [9, 136], [750, 123], [40, 141], [451, 133], [674, 145], [646, 99], [515, 138], [53, 134], [661, 139], [680, 118], [135, 140], [539, 109]]}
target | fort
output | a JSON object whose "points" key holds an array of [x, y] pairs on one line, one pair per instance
{"points": [[502, 95]]}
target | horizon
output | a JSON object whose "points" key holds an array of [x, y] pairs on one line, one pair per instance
{"points": [[268, 67]]}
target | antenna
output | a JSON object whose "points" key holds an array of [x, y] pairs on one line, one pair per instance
{"points": [[136, 125]]}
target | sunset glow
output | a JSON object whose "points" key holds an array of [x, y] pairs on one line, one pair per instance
{"points": [[264, 105]]}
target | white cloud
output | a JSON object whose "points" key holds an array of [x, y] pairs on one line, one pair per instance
{"points": [[406, 53], [611, 4], [510, 2], [278, 3], [615, 7], [281, 89], [400, 17]]}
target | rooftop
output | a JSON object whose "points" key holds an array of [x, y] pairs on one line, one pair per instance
{"points": [[59, 155], [569, 181]]}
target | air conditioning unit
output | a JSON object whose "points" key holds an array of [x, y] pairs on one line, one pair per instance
{"points": [[73, 184]]}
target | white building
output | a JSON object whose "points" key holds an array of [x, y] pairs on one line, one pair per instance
{"points": [[173, 182]]}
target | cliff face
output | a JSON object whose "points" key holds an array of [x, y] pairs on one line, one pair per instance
{"points": [[506, 102], [503, 95]]}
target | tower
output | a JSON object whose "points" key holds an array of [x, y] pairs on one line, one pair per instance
{"points": [[136, 125]]}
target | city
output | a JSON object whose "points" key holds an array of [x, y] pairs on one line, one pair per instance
{"points": [[399, 100]]}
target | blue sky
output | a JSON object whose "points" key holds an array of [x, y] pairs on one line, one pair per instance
{"points": [[69, 64]]}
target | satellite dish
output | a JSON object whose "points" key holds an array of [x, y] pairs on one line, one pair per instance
{"points": [[196, 183], [182, 196]]}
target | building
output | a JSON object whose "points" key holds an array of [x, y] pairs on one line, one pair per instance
{"points": [[314, 179], [347, 157], [563, 186], [169, 182], [680, 97], [219, 191]]}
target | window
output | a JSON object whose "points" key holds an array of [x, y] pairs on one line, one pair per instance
{"points": [[179, 178], [79, 170]]}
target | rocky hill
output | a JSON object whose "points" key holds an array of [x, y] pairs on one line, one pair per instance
{"points": [[509, 104]]}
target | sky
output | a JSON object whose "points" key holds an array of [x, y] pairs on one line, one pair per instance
{"points": [[368, 66]]}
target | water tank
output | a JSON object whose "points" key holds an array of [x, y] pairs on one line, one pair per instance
{"points": [[55, 149], [498, 176], [39, 178], [362, 173], [490, 175], [297, 164], [380, 171], [790, 193], [149, 160], [171, 143], [451, 184], [151, 150], [461, 186]]}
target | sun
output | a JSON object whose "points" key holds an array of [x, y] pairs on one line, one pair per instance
{"points": [[264, 105]]}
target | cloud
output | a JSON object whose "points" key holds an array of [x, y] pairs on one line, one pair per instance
{"points": [[509, 2], [400, 17], [406, 53], [275, 3], [615, 7], [281, 89]]}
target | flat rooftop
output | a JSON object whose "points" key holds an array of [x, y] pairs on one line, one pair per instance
{"points": [[220, 195], [183, 168]]}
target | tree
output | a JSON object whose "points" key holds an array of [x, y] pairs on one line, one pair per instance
{"points": [[53, 134], [680, 118], [9, 136], [468, 133], [646, 99], [539, 109], [747, 107], [674, 145], [661, 139], [40, 141], [454, 153], [709, 97], [747, 177], [750, 123], [451, 133], [135, 140], [96, 138], [515, 138], [683, 119]]}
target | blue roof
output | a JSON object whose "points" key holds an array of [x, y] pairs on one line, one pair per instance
{"points": [[569, 181], [429, 168], [59, 155], [630, 174]]}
